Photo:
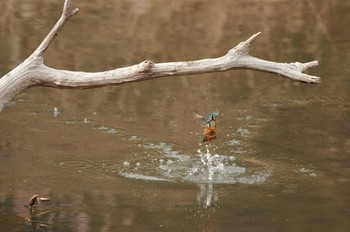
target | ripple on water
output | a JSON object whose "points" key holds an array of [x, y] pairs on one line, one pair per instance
{"points": [[162, 163], [202, 167], [108, 129]]}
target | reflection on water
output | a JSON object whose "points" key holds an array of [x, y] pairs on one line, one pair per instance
{"points": [[38, 219], [126, 158], [206, 194]]}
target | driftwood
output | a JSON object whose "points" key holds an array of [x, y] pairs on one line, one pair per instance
{"points": [[33, 71]]}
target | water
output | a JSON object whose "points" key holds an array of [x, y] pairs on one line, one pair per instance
{"points": [[126, 158], [204, 167]]}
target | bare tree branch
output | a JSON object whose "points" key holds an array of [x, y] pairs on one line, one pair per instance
{"points": [[67, 12], [34, 72]]}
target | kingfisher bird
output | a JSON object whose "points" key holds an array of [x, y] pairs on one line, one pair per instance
{"points": [[210, 129]]}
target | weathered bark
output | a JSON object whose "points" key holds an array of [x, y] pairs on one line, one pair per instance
{"points": [[34, 72]]}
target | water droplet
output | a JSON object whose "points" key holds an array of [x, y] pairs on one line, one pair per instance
{"points": [[232, 158], [55, 112], [234, 142]]}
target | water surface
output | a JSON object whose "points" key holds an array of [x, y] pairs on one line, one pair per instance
{"points": [[126, 158]]}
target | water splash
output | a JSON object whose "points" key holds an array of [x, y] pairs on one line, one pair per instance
{"points": [[205, 168], [167, 164], [212, 162], [55, 112]]}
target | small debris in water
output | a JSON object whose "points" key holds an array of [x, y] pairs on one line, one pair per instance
{"points": [[35, 199], [34, 215]]}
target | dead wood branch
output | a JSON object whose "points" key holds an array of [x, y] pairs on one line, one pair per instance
{"points": [[33, 71]]}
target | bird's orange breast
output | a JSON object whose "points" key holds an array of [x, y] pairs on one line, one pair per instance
{"points": [[209, 134]]}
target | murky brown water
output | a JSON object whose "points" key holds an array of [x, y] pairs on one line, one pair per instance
{"points": [[124, 158]]}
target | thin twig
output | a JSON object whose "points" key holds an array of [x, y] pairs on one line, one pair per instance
{"points": [[66, 14]]}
